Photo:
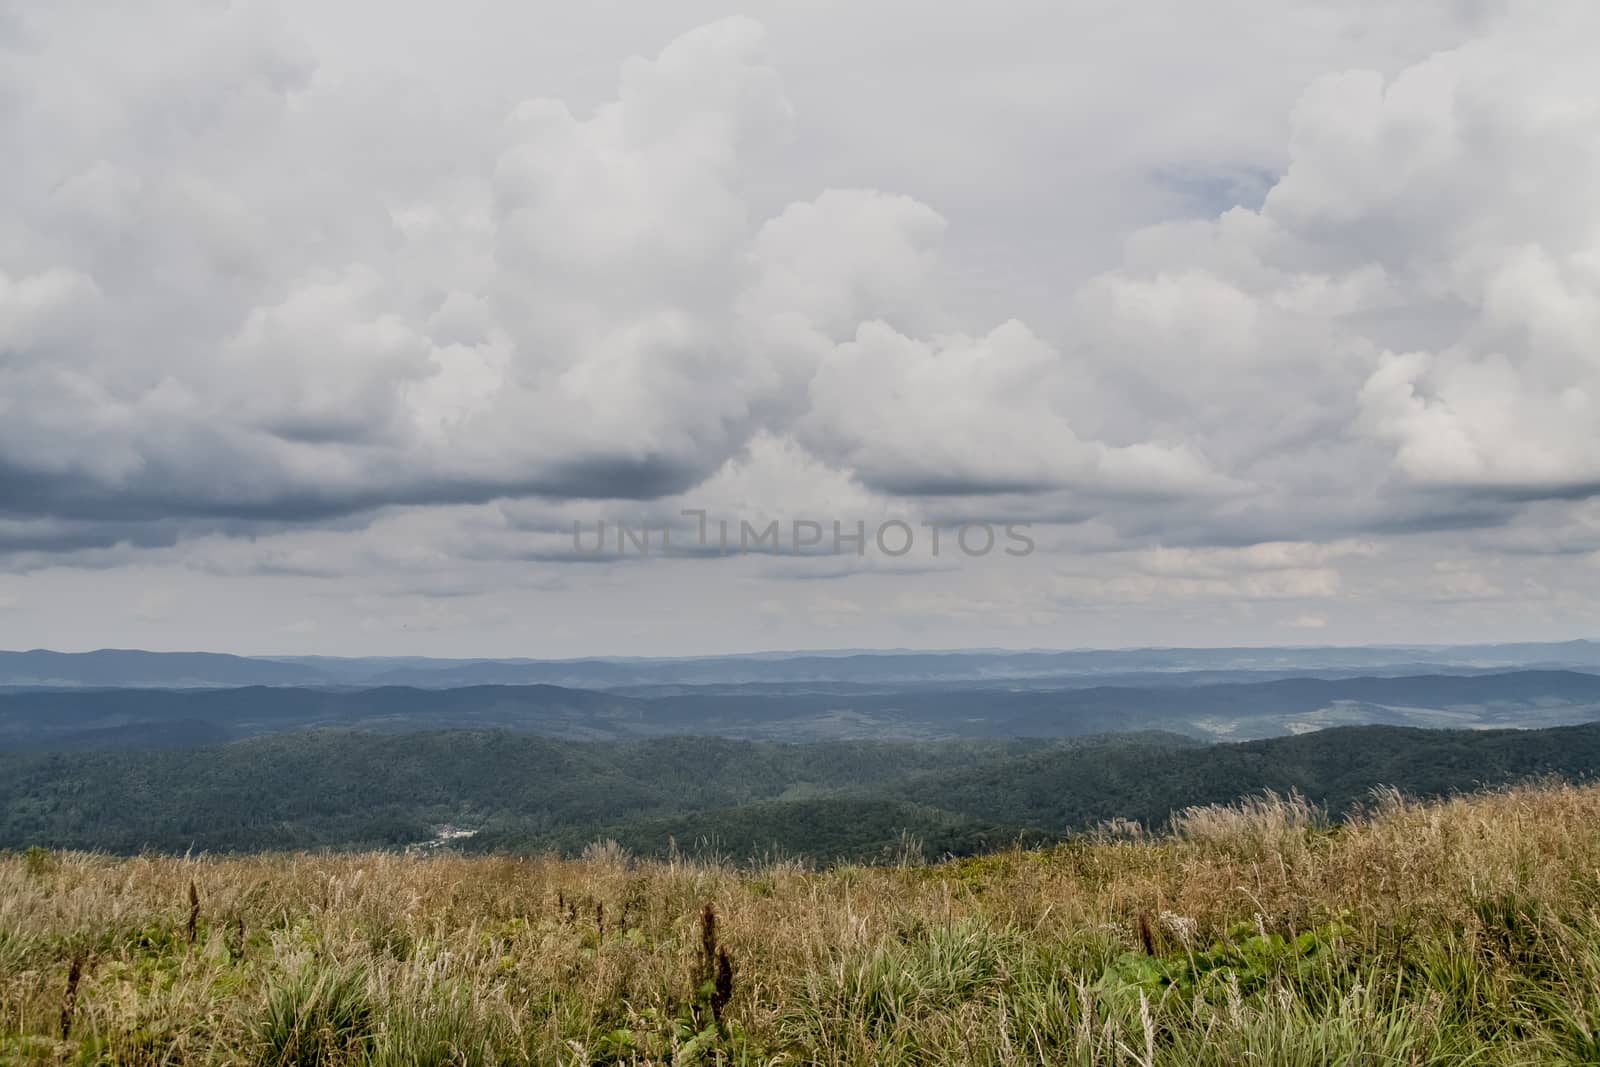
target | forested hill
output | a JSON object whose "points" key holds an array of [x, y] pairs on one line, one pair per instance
{"points": [[826, 801]]}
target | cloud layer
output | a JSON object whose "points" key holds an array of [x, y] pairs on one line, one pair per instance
{"points": [[268, 307]]}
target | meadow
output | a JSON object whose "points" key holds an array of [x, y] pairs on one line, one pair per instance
{"points": [[1465, 930]]}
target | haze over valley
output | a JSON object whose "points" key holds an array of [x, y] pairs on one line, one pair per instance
{"points": [[828, 756]]}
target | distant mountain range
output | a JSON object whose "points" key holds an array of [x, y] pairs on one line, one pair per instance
{"points": [[172, 670], [78, 719], [834, 755]]}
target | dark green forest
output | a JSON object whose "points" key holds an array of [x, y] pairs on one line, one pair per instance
{"points": [[823, 801]]}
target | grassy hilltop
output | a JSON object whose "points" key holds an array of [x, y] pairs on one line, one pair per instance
{"points": [[1461, 931]]}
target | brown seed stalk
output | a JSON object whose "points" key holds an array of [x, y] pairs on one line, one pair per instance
{"points": [[69, 1003], [723, 988], [194, 910], [1147, 935]]}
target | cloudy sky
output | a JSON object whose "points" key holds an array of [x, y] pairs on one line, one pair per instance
{"points": [[323, 322]]}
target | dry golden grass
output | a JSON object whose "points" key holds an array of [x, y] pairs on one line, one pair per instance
{"points": [[1432, 933]]}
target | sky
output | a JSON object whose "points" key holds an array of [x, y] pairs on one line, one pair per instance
{"points": [[350, 327]]}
